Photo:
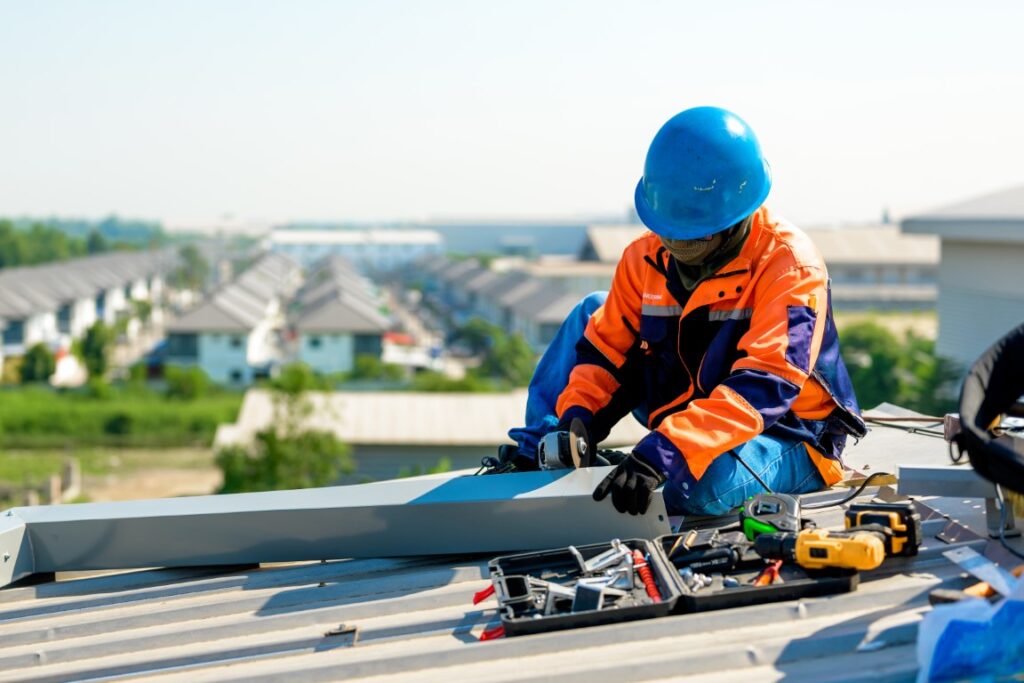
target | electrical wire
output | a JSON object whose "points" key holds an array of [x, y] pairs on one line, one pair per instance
{"points": [[908, 429], [847, 499], [751, 470]]}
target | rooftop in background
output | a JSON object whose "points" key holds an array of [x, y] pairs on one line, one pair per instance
{"points": [[406, 418], [994, 217]]}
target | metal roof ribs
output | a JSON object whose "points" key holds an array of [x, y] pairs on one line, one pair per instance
{"points": [[436, 515]]}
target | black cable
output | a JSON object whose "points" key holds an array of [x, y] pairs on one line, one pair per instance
{"points": [[864, 485], [751, 470], [909, 430], [1002, 523]]}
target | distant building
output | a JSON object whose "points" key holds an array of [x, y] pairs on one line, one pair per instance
{"points": [[374, 250], [57, 302], [234, 336], [336, 318], [980, 292]]}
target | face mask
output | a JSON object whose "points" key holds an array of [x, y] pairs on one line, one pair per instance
{"points": [[693, 252]]}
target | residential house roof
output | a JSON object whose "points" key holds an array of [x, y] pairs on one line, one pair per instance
{"points": [[556, 310], [214, 315], [459, 270], [341, 312]]}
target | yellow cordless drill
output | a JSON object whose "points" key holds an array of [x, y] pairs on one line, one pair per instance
{"points": [[821, 548]]}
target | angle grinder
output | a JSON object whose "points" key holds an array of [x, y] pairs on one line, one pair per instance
{"points": [[566, 449]]}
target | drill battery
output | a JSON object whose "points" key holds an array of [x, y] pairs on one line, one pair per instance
{"points": [[899, 523]]}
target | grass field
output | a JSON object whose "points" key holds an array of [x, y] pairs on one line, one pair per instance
{"points": [[36, 417]]}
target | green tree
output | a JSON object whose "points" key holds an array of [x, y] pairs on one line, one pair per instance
{"points": [[872, 355], [511, 359], [12, 248], [370, 367], [95, 348], [287, 455], [477, 335], [277, 461], [96, 243], [186, 383], [38, 364], [903, 370], [193, 270]]}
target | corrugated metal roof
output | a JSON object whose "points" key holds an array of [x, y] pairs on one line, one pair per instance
{"points": [[412, 620], [341, 312]]}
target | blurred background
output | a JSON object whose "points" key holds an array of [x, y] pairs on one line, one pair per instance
{"points": [[256, 245]]}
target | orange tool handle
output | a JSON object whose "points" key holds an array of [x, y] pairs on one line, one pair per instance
{"points": [[769, 574], [493, 633], [480, 596], [983, 590], [646, 576]]}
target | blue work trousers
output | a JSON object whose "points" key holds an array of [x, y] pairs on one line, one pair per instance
{"points": [[783, 464]]}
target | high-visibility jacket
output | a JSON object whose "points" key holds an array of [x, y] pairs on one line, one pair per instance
{"points": [[753, 350]]}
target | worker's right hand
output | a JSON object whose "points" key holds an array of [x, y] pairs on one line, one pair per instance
{"points": [[631, 485]]}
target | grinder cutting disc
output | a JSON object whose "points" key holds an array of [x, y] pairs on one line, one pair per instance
{"points": [[579, 444]]}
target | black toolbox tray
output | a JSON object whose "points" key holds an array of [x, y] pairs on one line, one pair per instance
{"points": [[796, 583], [560, 566]]}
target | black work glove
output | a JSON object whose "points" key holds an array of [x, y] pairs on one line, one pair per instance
{"points": [[631, 484]]}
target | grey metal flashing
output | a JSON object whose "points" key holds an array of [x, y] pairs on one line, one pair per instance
{"points": [[422, 516], [956, 482]]}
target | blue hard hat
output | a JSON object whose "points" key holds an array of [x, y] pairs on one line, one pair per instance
{"points": [[704, 172]]}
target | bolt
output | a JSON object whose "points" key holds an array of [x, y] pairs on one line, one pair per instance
{"points": [[7, 556]]}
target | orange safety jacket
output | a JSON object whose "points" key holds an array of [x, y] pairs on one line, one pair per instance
{"points": [[753, 350]]}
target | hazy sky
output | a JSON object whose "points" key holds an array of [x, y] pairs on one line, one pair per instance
{"points": [[443, 109]]}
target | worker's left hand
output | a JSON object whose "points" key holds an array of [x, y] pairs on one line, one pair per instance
{"points": [[631, 484]]}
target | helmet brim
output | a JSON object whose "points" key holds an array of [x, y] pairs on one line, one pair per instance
{"points": [[678, 230]]}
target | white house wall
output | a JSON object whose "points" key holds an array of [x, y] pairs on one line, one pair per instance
{"points": [[83, 315], [139, 290], [980, 296], [221, 354], [335, 353]]}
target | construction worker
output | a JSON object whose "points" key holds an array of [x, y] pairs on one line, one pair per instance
{"points": [[717, 334]]}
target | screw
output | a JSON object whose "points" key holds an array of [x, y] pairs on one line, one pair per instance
{"points": [[7, 556]]}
